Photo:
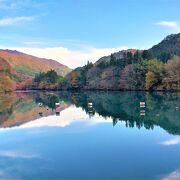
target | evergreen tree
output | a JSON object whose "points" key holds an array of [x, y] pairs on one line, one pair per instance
{"points": [[147, 55], [112, 60]]}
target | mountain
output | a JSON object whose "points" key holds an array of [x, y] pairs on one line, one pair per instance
{"points": [[118, 55], [163, 51], [24, 67], [167, 48], [157, 68], [30, 65]]}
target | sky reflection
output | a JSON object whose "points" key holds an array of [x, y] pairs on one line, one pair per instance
{"points": [[110, 140]]}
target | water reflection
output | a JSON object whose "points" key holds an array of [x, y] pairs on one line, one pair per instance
{"points": [[89, 135], [158, 109], [135, 109]]}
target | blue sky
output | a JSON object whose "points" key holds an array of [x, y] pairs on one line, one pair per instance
{"points": [[74, 31]]}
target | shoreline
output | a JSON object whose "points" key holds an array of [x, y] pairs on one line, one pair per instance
{"points": [[88, 90], [92, 90]]}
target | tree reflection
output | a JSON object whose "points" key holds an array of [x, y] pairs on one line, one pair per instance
{"points": [[162, 109]]}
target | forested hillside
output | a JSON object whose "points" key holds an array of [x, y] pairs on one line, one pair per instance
{"points": [[167, 48], [21, 69], [157, 68]]}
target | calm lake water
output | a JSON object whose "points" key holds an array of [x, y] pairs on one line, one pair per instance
{"points": [[89, 135]]}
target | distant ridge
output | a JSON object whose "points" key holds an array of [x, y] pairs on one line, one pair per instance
{"points": [[167, 48], [16, 58], [24, 67]]}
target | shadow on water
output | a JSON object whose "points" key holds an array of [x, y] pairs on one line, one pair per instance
{"points": [[159, 109]]}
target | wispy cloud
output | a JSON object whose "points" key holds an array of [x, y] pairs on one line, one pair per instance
{"points": [[175, 175], [173, 25], [168, 24], [5, 5], [17, 154], [14, 20], [171, 142], [18, 4]]}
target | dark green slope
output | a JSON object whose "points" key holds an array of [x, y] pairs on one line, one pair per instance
{"points": [[167, 48]]}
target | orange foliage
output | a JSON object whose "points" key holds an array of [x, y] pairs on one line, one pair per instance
{"points": [[6, 84], [15, 58]]}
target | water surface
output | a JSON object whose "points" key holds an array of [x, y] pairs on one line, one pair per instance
{"points": [[90, 135]]}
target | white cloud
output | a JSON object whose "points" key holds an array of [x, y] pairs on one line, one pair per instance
{"points": [[16, 154], [69, 57], [17, 4], [173, 25], [170, 142], [168, 23], [14, 20], [175, 175]]}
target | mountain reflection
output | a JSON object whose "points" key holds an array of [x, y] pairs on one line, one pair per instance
{"points": [[19, 108], [160, 109]]}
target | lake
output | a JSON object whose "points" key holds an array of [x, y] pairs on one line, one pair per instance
{"points": [[90, 135]]}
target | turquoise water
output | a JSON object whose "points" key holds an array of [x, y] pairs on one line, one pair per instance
{"points": [[92, 135]]}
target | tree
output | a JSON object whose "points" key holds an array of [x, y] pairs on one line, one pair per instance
{"points": [[112, 60], [6, 83], [89, 65], [165, 56], [137, 56], [172, 74], [141, 69], [121, 63], [74, 79], [52, 76], [46, 80], [102, 64], [150, 80], [39, 77], [129, 58], [128, 78], [147, 55], [158, 69]]}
